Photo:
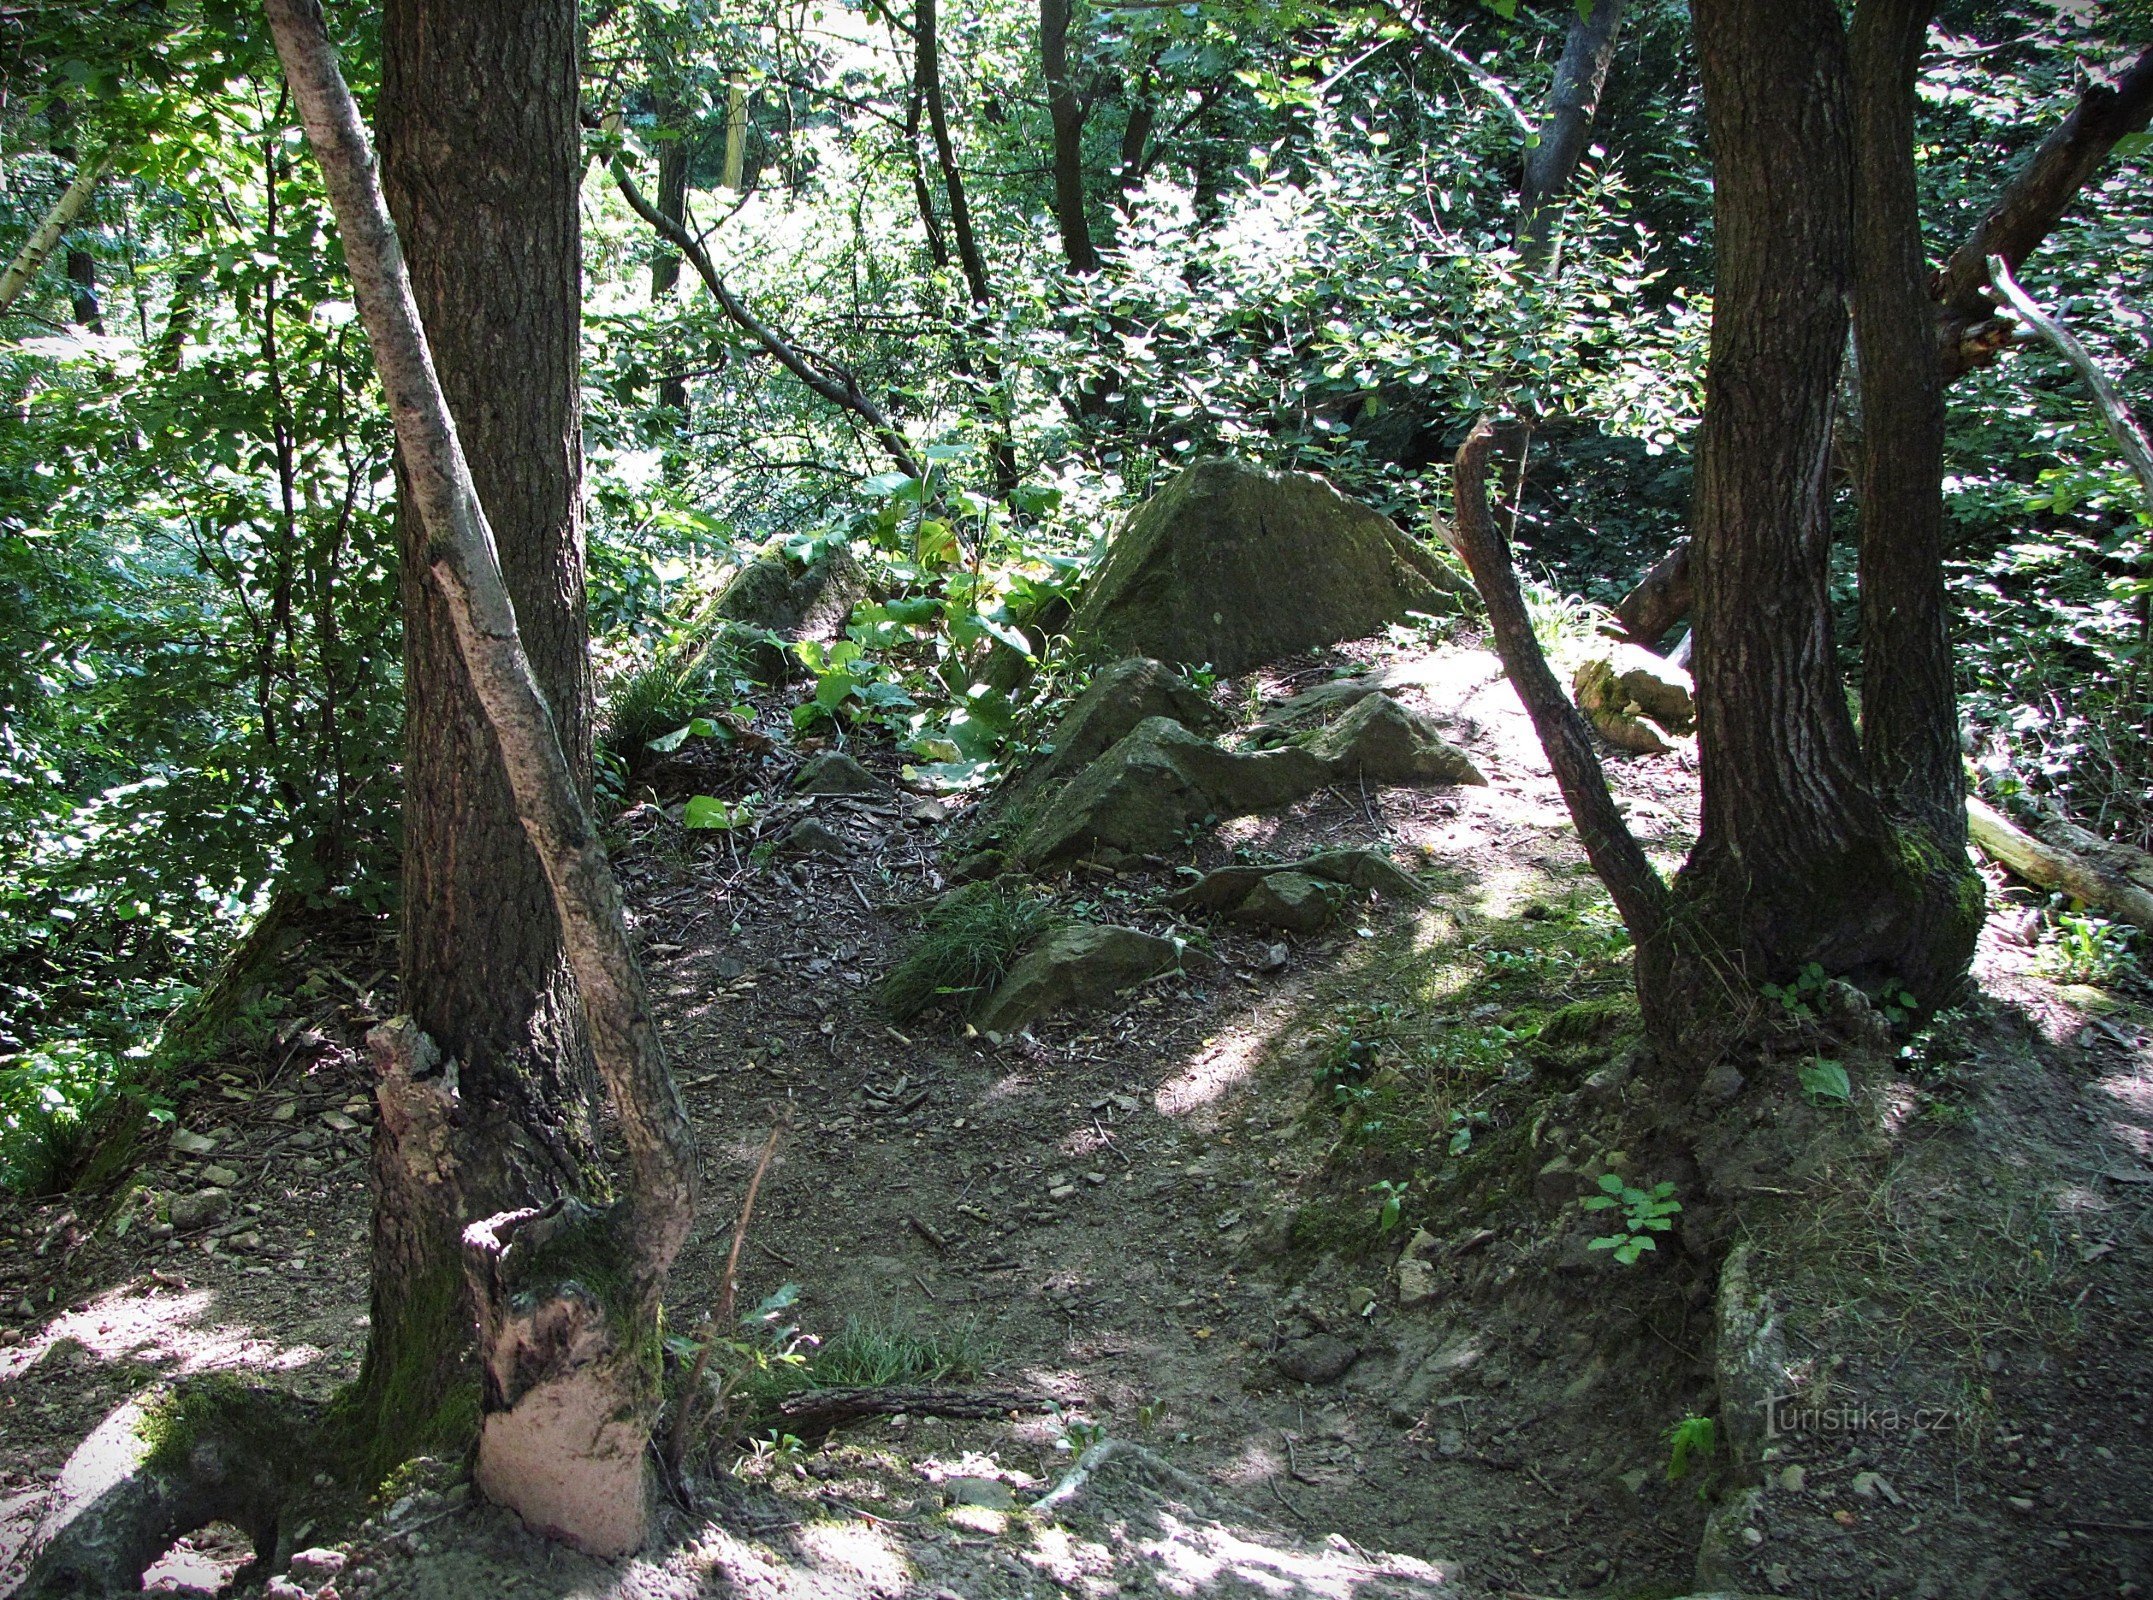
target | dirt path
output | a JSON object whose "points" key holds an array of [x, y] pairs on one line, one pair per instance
{"points": [[1150, 1215]]}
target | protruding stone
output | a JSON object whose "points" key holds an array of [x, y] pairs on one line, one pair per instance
{"points": [[835, 773], [1079, 968], [1386, 742], [1291, 901]]}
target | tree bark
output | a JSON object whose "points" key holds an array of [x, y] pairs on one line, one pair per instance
{"points": [[1796, 859], [622, 1257], [23, 270], [1909, 723], [1065, 109], [481, 161], [1965, 325], [1573, 102]]}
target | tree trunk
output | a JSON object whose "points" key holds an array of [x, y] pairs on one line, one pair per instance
{"points": [[665, 266], [1066, 111], [1572, 104], [23, 270], [480, 158], [568, 1296], [1796, 859], [1909, 701]]}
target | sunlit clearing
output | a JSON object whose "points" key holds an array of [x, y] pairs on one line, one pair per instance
{"points": [[1196, 1560], [854, 1548], [155, 1329], [1229, 1060]]}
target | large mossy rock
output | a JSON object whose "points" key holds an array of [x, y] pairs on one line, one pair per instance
{"points": [[775, 594], [1082, 967], [1151, 785], [1236, 566], [1120, 697]]}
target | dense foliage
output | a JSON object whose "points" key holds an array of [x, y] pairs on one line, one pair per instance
{"points": [[1303, 215]]}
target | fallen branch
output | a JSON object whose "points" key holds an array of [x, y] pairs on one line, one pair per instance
{"points": [[2050, 867], [2122, 426]]}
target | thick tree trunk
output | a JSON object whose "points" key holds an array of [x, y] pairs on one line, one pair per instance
{"points": [[568, 1296], [481, 157], [74, 199], [1066, 111], [1796, 860], [1909, 702], [1573, 102]]}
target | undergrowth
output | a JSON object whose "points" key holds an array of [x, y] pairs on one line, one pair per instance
{"points": [[968, 941]]}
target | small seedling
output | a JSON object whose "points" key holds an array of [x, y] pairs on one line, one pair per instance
{"points": [[1077, 1434], [1799, 997], [1390, 1203], [1689, 1441], [1645, 1212], [1825, 1083]]}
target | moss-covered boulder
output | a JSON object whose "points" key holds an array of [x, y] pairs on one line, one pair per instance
{"points": [[1359, 868], [1082, 967], [1236, 566], [1120, 697], [775, 594], [1385, 742], [1146, 790], [1293, 902]]}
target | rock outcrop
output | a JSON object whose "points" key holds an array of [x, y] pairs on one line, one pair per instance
{"points": [[1235, 566], [1079, 968], [1146, 790], [773, 594]]}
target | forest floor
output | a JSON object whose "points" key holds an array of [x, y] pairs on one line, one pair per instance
{"points": [[1170, 1218]]}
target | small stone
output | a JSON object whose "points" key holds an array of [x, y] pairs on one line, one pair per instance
{"points": [[1416, 1282], [318, 1565], [223, 1177], [1792, 1478], [1753, 1537], [1450, 1442], [1061, 1191], [189, 1143], [1359, 1301], [202, 1209], [2020, 1502], [990, 1494], [1324, 1358], [339, 1122], [813, 838], [835, 773], [284, 1111]]}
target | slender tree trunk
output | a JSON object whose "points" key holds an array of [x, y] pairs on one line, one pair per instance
{"points": [[1909, 704], [568, 1296], [927, 78], [665, 266], [1065, 109], [480, 156], [23, 270], [1572, 104]]}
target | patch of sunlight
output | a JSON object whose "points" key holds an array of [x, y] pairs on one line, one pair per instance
{"points": [[1007, 1087], [1433, 928], [156, 1329], [1191, 1559], [856, 1548], [1257, 1463], [1507, 889], [1901, 1101], [1229, 1060]]}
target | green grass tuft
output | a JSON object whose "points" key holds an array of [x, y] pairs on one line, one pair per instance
{"points": [[969, 941], [691, 668]]}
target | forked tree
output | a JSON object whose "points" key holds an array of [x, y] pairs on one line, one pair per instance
{"points": [[1816, 843]]}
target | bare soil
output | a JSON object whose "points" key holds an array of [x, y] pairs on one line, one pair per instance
{"points": [[1166, 1218]]}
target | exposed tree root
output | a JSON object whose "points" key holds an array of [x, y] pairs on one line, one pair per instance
{"points": [[157, 1469]]}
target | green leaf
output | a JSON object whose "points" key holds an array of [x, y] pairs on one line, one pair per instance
{"points": [[707, 811]]}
